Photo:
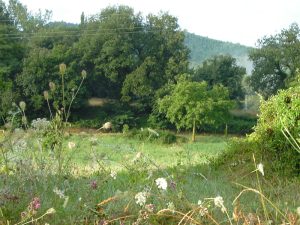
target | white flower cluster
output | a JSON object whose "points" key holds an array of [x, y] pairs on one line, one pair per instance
{"points": [[203, 210], [40, 124], [60, 193], [140, 198], [19, 145], [113, 174], [260, 168], [171, 206], [219, 202], [161, 183], [71, 145]]}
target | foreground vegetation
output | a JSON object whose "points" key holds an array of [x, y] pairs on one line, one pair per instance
{"points": [[104, 173]]}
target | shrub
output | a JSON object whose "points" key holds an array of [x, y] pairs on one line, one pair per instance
{"points": [[268, 142], [148, 134], [279, 112]]}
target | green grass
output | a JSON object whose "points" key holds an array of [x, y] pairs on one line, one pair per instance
{"points": [[96, 155], [114, 149]]}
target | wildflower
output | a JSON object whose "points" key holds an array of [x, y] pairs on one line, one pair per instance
{"points": [[219, 202], [161, 183], [171, 206], [199, 203], [94, 184], [22, 105], [173, 184], [46, 95], [20, 145], [35, 204], [140, 198], [52, 86], [83, 74], [24, 120], [71, 145], [150, 207], [40, 124], [62, 68], [23, 214], [51, 211], [260, 168], [60, 193], [113, 174]]}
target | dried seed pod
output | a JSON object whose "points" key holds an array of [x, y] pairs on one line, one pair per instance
{"points": [[22, 105], [62, 68], [83, 74], [46, 95], [51, 86]]}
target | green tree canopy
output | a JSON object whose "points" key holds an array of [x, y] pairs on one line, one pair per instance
{"points": [[275, 61], [11, 54], [222, 70], [194, 101]]}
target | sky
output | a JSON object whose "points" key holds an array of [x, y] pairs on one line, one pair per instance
{"points": [[237, 21]]}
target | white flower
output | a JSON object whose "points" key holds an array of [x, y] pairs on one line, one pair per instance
{"points": [[203, 211], [298, 211], [60, 193], [199, 203], [171, 206], [71, 145], [113, 174], [161, 183], [219, 202], [260, 168], [140, 198]]}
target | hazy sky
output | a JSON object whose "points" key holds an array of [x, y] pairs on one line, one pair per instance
{"points": [[238, 21]]}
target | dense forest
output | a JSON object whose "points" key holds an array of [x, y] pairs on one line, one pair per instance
{"points": [[135, 63]]}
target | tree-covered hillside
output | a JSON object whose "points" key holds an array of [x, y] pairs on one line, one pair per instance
{"points": [[203, 48]]}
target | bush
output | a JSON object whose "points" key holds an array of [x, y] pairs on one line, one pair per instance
{"points": [[279, 112], [148, 134], [89, 123], [267, 142]]}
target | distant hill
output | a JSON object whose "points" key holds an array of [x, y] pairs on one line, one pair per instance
{"points": [[203, 48]]}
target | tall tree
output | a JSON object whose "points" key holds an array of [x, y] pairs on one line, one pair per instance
{"points": [[223, 70], [193, 104], [162, 58], [276, 61], [11, 54]]}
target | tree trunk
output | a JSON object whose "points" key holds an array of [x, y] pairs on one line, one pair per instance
{"points": [[194, 130]]}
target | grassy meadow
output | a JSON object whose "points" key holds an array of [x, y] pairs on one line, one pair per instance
{"points": [[104, 173]]}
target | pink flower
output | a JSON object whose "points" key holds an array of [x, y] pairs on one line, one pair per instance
{"points": [[93, 184], [36, 203]]}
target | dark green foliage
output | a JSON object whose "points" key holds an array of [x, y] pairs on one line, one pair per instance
{"points": [[11, 54], [267, 142], [279, 112], [275, 61], [222, 70], [235, 125]]}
